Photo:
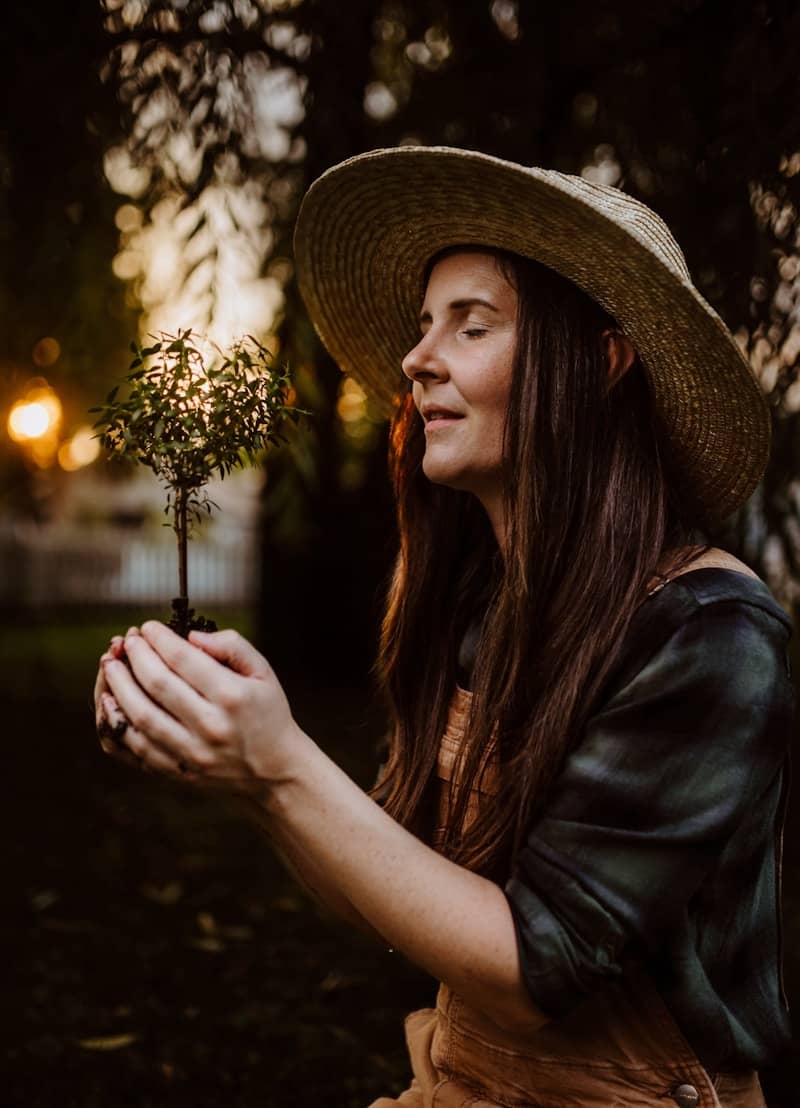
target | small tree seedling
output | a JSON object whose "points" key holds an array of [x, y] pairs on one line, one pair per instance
{"points": [[189, 421]]}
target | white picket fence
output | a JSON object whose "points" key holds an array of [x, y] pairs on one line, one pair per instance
{"points": [[47, 566]]}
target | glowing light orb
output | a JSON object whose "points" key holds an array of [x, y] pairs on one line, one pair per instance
{"points": [[34, 422], [28, 421], [81, 450], [31, 419]]}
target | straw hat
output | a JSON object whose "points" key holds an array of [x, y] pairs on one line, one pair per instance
{"points": [[368, 226]]}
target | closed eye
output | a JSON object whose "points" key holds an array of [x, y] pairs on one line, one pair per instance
{"points": [[476, 332]]}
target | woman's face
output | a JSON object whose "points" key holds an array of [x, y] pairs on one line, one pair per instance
{"points": [[461, 374]]}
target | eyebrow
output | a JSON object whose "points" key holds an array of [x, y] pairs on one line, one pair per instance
{"points": [[457, 305]]}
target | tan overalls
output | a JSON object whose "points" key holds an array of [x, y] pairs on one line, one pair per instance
{"points": [[620, 1048]]}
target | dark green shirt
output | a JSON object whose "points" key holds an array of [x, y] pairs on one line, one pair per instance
{"points": [[662, 835]]}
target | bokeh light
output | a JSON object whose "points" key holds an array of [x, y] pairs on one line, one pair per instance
{"points": [[29, 421], [129, 218], [35, 416], [34, 422], [46, 352], [358, 428], [80, 450], [351, 406]]}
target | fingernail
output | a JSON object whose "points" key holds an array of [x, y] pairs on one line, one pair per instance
{"points": [[111, 708], [132, 631]]}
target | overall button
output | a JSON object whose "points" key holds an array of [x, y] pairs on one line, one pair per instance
{"points": [[686, 1096]]}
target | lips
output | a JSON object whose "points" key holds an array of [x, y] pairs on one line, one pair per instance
{"points": [[432, 414]]}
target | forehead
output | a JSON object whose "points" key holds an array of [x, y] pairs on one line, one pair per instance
{"points": [[467, 271]]}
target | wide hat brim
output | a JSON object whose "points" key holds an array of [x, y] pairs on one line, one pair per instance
{"points": [[368, 226]]}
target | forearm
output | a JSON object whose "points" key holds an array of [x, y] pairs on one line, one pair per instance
{"points": [[308, 873], [232, 723], [453, 923]]}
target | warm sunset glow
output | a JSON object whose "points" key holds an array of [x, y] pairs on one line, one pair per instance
{"points": [[38, 415]]}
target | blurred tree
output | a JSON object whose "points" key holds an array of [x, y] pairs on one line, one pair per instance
{"points": [[687, 105], [212, 97], [63, 314], [244, 96]]}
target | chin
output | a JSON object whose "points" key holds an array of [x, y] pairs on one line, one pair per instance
{"points": [[436, 469], [450, 476]]}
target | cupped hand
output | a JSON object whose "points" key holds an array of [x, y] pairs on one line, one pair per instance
{"points": [[109, 719], [101, 690], [210, 710]]}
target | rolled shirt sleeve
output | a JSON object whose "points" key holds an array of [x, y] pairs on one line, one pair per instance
{"points": [[679, 758]]}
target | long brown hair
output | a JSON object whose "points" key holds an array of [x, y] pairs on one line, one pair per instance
{"points": [[590, 513]]}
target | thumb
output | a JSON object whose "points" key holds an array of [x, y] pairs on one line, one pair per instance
{"points": [[233, 651]]}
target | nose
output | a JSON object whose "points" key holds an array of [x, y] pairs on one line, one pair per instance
{"points": [[423, 361]]}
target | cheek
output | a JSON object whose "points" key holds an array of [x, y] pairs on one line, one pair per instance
{"points": [[497, 409], [495, 393]]}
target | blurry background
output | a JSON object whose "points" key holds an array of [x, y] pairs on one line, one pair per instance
{"points": [[152, 159]]}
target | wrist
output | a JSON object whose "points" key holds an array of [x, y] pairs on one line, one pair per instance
{"points": [[280, 768]]}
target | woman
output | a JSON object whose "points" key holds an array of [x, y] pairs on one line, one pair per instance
{"points": [[578, 827]]}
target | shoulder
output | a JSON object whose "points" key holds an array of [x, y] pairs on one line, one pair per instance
{"points": [[716, 617], [714, 558], [714, 578]]}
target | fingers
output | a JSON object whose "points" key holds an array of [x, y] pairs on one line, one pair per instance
{"points": [[198, 670], [120, 740], [147, 756], [119, 753], [230, 648], [135, 752], [152, 730], [114, 720], [118, 737], [100, 687], [165, 686], [179, 711], [115, 650]]}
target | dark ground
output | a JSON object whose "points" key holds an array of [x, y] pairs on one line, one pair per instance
{"points": [[156, 952]]}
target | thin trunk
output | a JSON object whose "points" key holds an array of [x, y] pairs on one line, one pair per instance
{"points": [[181, 530]]}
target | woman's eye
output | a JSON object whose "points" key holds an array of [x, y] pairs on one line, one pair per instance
{"points": [[475, 332]]}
